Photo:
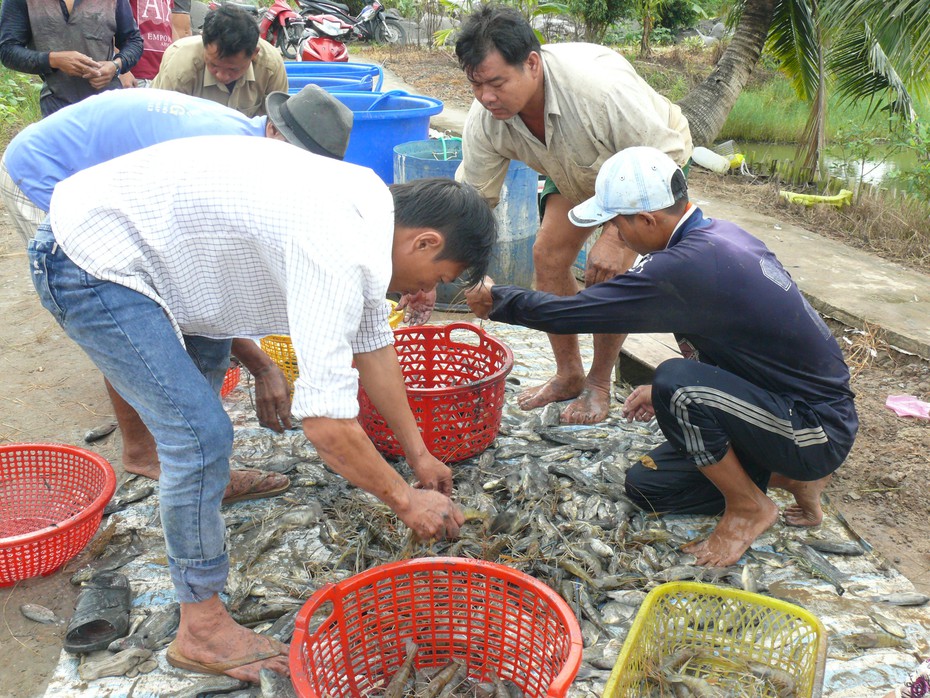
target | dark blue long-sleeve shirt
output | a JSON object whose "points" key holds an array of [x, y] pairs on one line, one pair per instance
{"points": [[725, 296]]}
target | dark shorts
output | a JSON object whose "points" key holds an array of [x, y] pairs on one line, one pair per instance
{"points": [[704, 411]]}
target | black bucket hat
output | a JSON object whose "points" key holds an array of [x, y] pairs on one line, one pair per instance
{"points": [[312, 119]]}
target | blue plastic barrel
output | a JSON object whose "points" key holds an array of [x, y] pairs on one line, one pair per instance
{"points": [[330, 83], [517, 212], [337, 70], [383, 120]]}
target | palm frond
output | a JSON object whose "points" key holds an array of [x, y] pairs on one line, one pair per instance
{"points": [[902, 28], [794, 40], [862, 69]]}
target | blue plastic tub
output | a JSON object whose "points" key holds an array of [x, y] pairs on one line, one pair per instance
{"points": [[336, 70], [382, 121], [517, 213], [330, 83]]}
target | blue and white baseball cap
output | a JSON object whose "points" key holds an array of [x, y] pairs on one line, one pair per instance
{"points": [[635, 180]]}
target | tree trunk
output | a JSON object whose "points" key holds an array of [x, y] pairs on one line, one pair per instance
{"points": [[708, 105], [645, 50]]}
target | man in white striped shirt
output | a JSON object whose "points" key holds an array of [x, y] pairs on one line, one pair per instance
{"points": [[153, 287]]}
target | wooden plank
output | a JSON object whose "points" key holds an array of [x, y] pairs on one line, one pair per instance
{"points": [[640, 355]]}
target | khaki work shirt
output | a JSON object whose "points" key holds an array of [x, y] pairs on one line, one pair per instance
{"points": [[596, 105], [183, 70]]}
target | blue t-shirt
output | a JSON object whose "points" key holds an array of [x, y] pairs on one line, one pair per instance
{"points": [[108, 125], [729, 302]]}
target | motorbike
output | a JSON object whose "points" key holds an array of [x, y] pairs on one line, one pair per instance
{"points": [[373, 23], [324, 39], [278, 24]]}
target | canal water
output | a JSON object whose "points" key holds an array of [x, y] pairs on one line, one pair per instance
{"points": [[875, 171]]}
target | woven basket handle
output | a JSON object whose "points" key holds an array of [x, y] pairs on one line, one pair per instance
{"points": [[453, 326], [325, 594]]}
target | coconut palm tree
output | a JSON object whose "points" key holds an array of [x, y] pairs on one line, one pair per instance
{"points": [[864, 49]]}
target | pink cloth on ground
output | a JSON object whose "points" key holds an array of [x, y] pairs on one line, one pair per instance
{"points": [[908, 406]]}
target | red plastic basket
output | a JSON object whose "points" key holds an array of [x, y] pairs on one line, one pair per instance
{"points": [[231, 379], [455, 390], [498, 620], [51, 502]]}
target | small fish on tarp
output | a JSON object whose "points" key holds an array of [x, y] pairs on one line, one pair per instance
{"points": [[115, 558], [100, 432], [40, 614], [274, 685], [209, 686], [154, 632], [818, 565], [904, 598], [889, 625], [129, 663], [867, 641], [133, 490], [834, 547]]}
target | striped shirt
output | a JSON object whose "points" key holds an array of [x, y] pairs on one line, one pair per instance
{"points": [[228, 255]]}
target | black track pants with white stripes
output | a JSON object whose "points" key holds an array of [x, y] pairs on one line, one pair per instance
{"points": [[702, 411]]}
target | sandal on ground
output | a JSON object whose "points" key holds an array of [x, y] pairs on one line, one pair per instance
{"points": [[267, 484], [101, 614], [179, 661]]}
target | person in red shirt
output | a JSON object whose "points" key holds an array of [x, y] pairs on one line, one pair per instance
{"points": [[161, 22]]}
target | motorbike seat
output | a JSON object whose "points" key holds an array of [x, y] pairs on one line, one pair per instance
{"points": [[247, 7], [338, 5]]}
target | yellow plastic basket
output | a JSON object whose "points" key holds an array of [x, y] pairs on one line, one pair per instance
{"points": [[396, 316], [721, 629], [280, 349]]}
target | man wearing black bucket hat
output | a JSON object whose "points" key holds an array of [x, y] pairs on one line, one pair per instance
{"points": [[311, 119], [103, 127]]}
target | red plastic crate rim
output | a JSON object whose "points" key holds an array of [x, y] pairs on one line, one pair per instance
{"points": [[500, 621], [52, 504], [455, 390]]}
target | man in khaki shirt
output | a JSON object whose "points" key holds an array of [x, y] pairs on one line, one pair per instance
{"points": [[563, 110], [227, 64]]}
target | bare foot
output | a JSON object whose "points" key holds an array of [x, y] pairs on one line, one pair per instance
{"points": [[807, 511], [209, 635], [591, 406], [737, 529], [555, 389]]}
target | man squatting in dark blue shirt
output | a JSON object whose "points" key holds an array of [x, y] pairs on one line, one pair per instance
{"points": [[766, 403]]}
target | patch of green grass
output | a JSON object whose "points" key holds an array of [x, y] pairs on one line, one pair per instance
{"points": [[19, 102], [769, 111]]}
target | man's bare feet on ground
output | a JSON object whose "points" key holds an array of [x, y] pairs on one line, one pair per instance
{"points": [[735, 532], [241, 482], [591, 406], [807, 511], [211, 636], [555, 389]]}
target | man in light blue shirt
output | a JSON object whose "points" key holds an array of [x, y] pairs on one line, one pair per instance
{"points": [[114, 123]]}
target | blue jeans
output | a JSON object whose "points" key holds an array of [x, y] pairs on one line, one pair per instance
{"points": [[176, 393]]}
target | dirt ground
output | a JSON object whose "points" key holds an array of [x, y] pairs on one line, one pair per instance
{"points": [[51, 392]]}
